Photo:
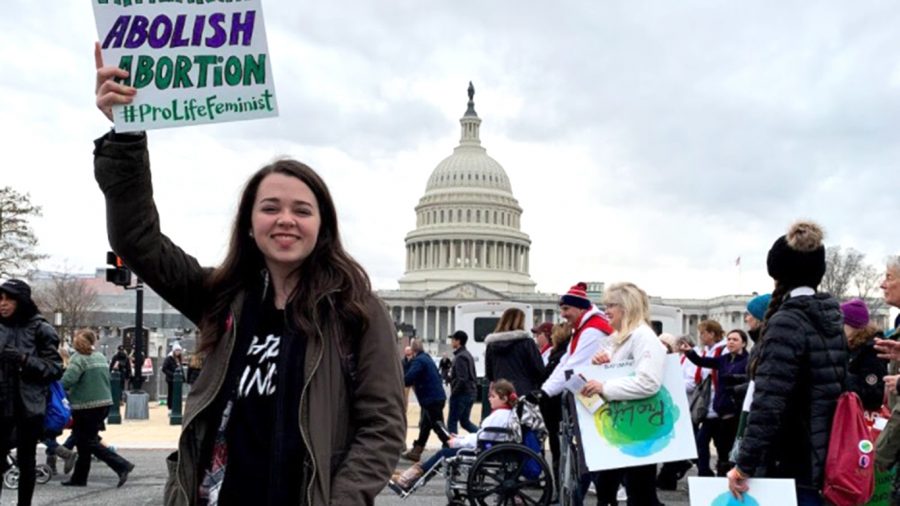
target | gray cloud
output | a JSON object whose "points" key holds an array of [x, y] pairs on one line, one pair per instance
{"points": [[655, 142]]}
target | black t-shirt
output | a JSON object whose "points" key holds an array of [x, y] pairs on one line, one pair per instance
{"points": [[265, 450]]}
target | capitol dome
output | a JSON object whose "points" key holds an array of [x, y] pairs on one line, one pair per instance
{"points": [[467, 222]]}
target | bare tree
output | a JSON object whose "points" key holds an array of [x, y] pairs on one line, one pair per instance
{"points": [[69, 295], [17, 240], [841, 268], [868, 287]]}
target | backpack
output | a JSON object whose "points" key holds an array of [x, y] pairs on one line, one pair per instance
{"points": [[849, 464], [533, 433], [58, 410]]}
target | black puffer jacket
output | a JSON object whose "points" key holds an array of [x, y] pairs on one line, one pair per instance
{"points": [[514, 356], [799, 376], [866, 374], [29, 382]]}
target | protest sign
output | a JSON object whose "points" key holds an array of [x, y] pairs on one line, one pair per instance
{"points": [[763, 492], [637, 432], [192, 61]]}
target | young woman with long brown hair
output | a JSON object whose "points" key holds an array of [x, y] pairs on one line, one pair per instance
{"points": [[300, 399]]}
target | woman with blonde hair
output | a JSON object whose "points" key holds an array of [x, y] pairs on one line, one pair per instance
{"points": [[628, 309], [86, 381], [512, 354]]}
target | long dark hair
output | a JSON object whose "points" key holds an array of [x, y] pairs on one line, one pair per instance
{"points": [[332, 286]]}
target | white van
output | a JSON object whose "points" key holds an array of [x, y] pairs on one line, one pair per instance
{"points": [[478, 319], [666, 319]]}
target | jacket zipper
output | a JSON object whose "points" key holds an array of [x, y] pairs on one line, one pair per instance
{"points": [[187, 423], [309, 449]]}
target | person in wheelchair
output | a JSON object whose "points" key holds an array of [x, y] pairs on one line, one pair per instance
{"points": [[495, 428]]}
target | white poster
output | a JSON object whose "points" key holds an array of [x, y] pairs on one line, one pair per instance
{"points": [[763, 492], [644, 431], [192, 61]]}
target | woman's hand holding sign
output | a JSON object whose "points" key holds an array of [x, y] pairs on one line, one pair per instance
{"points": [[592, 387], [109, 92]]}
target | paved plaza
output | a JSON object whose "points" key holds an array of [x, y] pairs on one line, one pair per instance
{"points": [[146, 443]]}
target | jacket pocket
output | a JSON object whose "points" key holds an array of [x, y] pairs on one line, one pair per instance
{"points": [[171, 493]]}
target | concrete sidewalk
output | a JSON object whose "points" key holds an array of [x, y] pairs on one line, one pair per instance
{"points": [[156, 433]]}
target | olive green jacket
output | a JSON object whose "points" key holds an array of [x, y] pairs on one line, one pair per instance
{"points": [[354, 437]]}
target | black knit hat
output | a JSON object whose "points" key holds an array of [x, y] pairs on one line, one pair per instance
{"points": [[798, 257], [21, 293], [17, 289]]}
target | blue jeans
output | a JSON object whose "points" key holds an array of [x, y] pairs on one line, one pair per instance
{"points": [[460, 409], [443, 453]]}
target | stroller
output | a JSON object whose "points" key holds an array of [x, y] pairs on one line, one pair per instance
{"points": [[11, 476]]}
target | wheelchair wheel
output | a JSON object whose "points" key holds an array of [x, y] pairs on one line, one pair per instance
{"points": [[569, 486], [11, 478], [42, 473], [569, 482], [509, 474]]}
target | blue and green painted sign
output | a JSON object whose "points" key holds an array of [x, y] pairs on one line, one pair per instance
{"points": [[635, 432]]}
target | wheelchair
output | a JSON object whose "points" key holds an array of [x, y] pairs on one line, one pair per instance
{"points": [[571, 461], [501, 470], [42, 473]]}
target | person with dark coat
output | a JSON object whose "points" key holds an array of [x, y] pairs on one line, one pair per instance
{"points": [[120, 362], [799, 372], [865, 370], [195, 364], [171, 364], [729, 374], [318, 418], [29, 362], [444, 367], [463, 387], [512, 354], [423, 376]]}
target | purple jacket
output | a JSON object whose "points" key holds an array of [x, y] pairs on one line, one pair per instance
{"points": [[731, 374]]}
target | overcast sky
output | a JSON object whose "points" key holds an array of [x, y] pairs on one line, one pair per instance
{"points": [[645, 141]]}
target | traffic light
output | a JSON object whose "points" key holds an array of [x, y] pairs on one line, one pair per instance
{"points": [[119, 274]]}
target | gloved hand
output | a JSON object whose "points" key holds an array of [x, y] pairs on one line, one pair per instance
{"points": [[11, 354]]}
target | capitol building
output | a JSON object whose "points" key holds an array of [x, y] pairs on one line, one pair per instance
{"points": [[468, 244]]}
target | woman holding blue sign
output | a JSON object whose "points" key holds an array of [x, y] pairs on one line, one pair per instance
{"points": [[29, 362], [300, 399], [628, 309]]}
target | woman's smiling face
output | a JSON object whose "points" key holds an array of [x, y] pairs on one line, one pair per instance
{"points": [[285, 221]]}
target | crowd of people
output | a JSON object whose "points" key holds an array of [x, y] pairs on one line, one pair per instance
{"points": [[300, 397], [31, 359], [763, 397]]}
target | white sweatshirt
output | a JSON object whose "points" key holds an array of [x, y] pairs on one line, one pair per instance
{"points": [[589, 342], [500, 418], [649, 357]]}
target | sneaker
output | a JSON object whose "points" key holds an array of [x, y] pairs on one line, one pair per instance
{"points": [[621, 495]]}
